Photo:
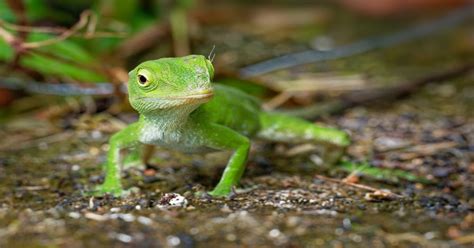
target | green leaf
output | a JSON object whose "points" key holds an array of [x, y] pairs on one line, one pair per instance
{"points": [[6, 52], [5, 13], [393, 175], [66, 49], [49, 66]]}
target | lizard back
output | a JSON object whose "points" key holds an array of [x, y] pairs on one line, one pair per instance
{"points": [[232, 108]]}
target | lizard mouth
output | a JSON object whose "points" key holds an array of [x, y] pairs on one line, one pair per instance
{"points": [[194, 97], [202, 94]]}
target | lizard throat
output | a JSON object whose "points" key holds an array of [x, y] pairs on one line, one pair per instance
{"points": [[172, 118]]}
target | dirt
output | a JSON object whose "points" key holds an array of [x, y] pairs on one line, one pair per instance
{"points": [[47, 167], [42, 202]]}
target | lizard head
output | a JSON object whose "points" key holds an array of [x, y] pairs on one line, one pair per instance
{"points": [[170, 82]]}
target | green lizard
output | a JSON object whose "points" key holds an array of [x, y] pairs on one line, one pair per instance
{"points": [[180, 109]]}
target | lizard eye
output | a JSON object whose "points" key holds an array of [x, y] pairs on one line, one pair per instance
{"points": [[144, 77]]}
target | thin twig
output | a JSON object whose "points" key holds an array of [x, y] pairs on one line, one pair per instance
{"points": [[396, 238], [382, 94], [277, 101], [91, 32], [22, 28], [68, 33], [311, 56], [142, 40], [357, 185], [87, 20], [179, 29], [7, 36], [467, 239]]}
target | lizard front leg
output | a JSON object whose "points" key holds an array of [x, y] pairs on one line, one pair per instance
{"points": [[126, 138], [223, 138]]}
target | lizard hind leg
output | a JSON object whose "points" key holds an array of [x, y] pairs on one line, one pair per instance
{"points": [[284, 128], [288, 129]]}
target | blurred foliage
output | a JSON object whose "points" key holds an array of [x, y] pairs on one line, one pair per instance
{"points": [[63, 59], [246, 86], [78, 58]]}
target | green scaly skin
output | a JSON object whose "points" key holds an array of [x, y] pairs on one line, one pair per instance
{"points": [[180, 109]]}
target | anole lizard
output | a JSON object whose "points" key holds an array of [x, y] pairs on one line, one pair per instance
{"points": [[180, 109]]}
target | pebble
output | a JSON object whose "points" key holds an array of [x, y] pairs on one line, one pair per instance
{"points": [[144, 220], [170, 200], [173, 240], [274, 233], [75, 215], [124, 238]]}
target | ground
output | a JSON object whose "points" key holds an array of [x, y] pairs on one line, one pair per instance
{"points": [[42, 180]]}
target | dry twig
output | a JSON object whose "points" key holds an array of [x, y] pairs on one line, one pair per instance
{"points": [[357, 185], [87, 20], [90, 33], [384, 94], [142, 40]]}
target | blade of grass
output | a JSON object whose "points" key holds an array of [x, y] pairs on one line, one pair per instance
{"points": [[393, 175]]}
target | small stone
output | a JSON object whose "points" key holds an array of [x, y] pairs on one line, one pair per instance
{"points": [[226, 209], [347, 224], [144, 220], [389, 143], [274, 233], [149, 172], [127, 217], [115, 210], [230, 237], [170, 200], [96, 134], [379, 195], [430, 235], [134, 190], [125, 238], [356, 238], [75, 215], [293, 221], [173, 240], [441, 172], [339, 231]]}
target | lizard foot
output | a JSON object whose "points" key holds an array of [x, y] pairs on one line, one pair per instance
{"points": [[217, 192]]}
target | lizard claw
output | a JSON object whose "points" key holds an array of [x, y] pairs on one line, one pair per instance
{"points": [[203, 195], [218, 193]]}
